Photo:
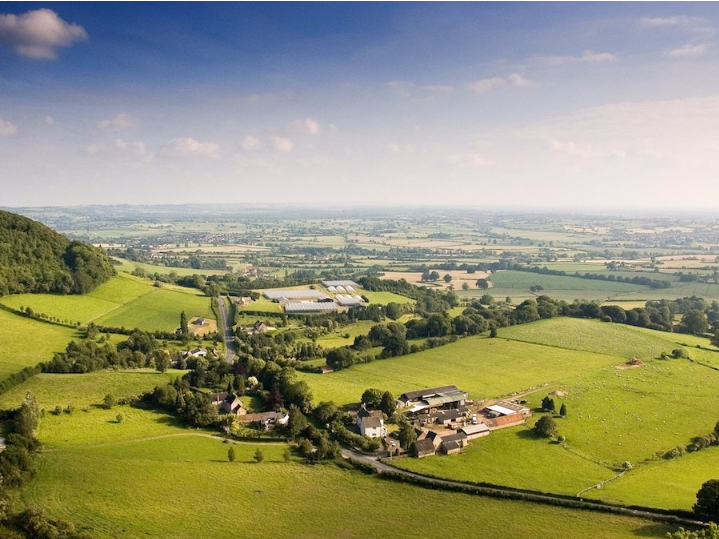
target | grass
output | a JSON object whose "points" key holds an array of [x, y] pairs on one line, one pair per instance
{"points": [[337, 338], [665, 484], [484, 367], [262, 305], [148, 494], [515, 457], [122, 301], [26, 342], [84, 389], [384, 298], [128, 266]]}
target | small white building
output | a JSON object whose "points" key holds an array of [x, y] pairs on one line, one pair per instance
{"points": [[371, 423]]}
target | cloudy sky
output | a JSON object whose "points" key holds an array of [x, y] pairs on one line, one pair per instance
{"points": [[533, 104]]}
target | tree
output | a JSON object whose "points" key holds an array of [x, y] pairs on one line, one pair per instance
{"points": [[434, 276], [546, 427], [259, 457], [29, 416], [162, 360], [387, 404], [447, 278], [372, 397], [712, 532], [694, 322], [184, 330], [120, 418], [297, 422], [482, 284], [340, 358], [393, 311], [231, 454], [407, 435], [563, 410], [707, 505], [465, 286], [287, 455], [109, 401]]}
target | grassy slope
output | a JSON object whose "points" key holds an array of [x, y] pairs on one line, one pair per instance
{"points": [[122, 301], [484, 367], [84, 389], [27, 342], [149, 495]]}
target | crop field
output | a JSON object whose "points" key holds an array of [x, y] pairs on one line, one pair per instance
{"points": [[384, 298], [88, 389], [26, 342], [146, 452], [263, 304], [482, 366], [511, 283]]}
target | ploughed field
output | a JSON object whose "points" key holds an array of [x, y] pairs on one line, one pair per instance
{"points": [[614, 415]]}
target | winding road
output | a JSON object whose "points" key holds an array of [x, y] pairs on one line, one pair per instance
{"points": [[228, 335], [499, 492]]}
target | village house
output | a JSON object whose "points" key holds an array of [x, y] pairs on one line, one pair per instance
{"points": [[371, 423], [265, 420], [195, 353], [200, 322]]}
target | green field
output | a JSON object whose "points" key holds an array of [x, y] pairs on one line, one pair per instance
{"points": [[26, 342], [261, 305], [128, 266], [384, 298], [150, 461], [123, 301], [84, 389]]}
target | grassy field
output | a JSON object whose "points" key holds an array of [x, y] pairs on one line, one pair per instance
{"points": [[148, 495], [666, 484], [123, 301], [517, 458], [337, 338], [263, 304], [26, 342], [484, 367], [383, 298], [84, 389], [128, 266]]}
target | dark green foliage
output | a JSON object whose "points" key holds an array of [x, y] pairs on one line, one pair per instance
{"points": [[707, 506], [372, 397], [36, 259], [387, 404], [36, 524], [407, 435], [712, 532], [28, 417], [340, 358], [259, 457], [548, 404], [231, 454], [546, 427], [563, 410], [297, 422]]}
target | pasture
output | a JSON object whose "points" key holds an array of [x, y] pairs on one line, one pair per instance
{"points": [[150, 461], [129, 266], [26, 342], [82, 390], [123, 301]]}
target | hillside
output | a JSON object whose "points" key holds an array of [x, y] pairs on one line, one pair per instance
{"points": [[36, 259]]}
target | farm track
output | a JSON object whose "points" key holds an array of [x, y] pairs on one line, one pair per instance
{"points": [[162, 437], [499, 492]]}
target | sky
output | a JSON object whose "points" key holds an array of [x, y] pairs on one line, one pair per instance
{"points": [[563, 105]]}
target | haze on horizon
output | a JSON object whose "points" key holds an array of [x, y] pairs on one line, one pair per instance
{"points": [[534, 104]]}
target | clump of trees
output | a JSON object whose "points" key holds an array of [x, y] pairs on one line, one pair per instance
{"points": [[546, 427]]}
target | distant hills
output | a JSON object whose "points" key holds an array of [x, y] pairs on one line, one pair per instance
{"points": [[36, 259]]}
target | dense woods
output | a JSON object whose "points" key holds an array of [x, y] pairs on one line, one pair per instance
{"points": [[35, 258]]}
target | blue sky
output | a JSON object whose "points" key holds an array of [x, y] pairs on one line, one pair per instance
{"points": [[552, 104]]}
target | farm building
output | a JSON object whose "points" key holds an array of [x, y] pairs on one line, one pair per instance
{"points": [[265, 420], [422, 448], [440, 398], [450, 448], [297, 307], [345, 300], [335, 284], [241, 301], [443, 417], [200, 322], [504, 421], [501, 408], [473, 432], [288, 295], [195, 353]]}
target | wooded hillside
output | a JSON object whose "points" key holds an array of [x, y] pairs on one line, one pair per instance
{"points": [[35, 258]]}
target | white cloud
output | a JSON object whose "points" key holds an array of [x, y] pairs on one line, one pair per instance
{"points": [[188, 147], [134, 149], [308, 125], [393, 148], [49, 121], [471, 159], [669, 21], [118, 123], [585, 151], [587, 56], [39, 33], [282, 144], [251, 144], [515, 79], [7, 129], [405, 90], [687, 51]]}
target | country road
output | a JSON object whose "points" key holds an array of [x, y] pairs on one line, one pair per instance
{"points": [[499, 492], [228, 335]]}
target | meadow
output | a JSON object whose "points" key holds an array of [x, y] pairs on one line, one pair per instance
{"points": [[26, 342], [129, 266], [122, 301], [150, 463], [82, 390]]}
